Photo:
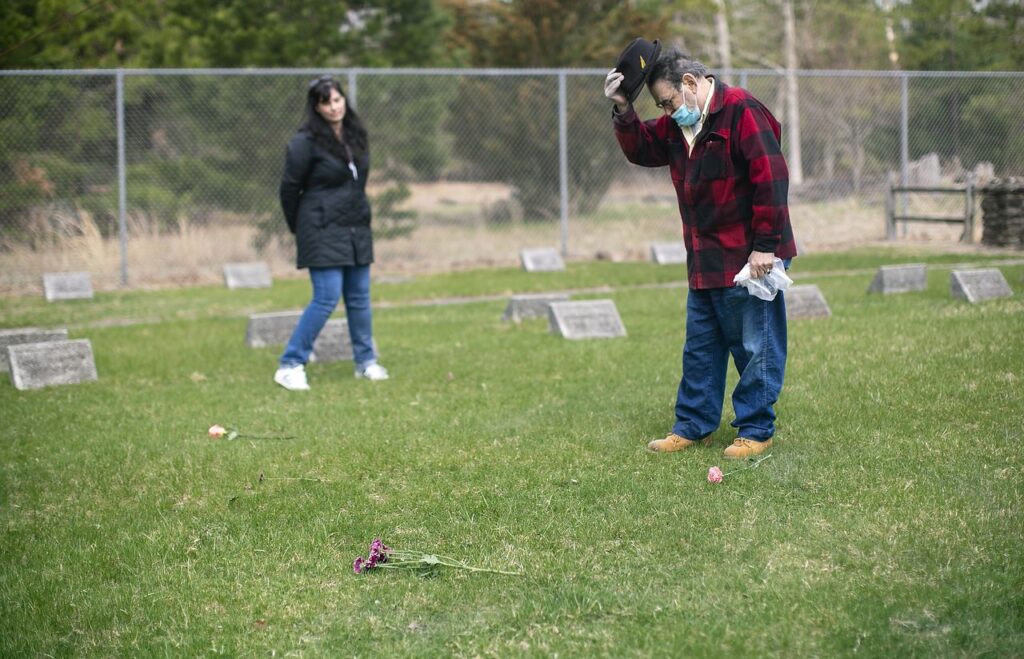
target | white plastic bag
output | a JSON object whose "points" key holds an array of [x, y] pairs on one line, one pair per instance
{"points": [[765, 287]]}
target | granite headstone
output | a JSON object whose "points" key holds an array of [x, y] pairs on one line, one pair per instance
{"points": [[247, 275], [806, 301], [333, 344], [36, 365], [11, 337], [586, 319], [67, 286], [275, 328], [668, 253], [979, 285], [541, 260], [533, 305], [900, 279], [268, 329]]}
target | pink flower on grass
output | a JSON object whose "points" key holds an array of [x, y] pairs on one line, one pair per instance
{"points": [[715, 475], [378, 553], [217, 431], [358, 565]]}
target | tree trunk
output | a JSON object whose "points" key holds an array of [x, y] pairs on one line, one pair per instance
{"points": [[724, 46], [795, 160]]}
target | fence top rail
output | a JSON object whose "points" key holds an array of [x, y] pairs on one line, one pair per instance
{"points": [[813, 73]]}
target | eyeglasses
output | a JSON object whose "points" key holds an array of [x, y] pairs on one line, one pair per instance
{"points": [[667, 103], [319, 80]]}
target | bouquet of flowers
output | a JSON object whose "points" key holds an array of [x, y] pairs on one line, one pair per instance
{"points": [[383, 557]]}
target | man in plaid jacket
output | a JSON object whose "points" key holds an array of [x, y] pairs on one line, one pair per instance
{"points": [[722, 149]]}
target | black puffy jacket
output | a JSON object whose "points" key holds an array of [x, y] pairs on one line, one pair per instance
{"points": [[325, 207]]}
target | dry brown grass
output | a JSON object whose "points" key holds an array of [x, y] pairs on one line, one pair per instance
{"points": [[452, 233]]}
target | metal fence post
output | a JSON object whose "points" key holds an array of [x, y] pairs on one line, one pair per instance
{"points": [[890, 211], [122, 191], [904, 144], [353, 96], [563, 162]]}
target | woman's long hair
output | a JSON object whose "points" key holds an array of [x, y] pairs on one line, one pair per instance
{"points": [[353, 134]]}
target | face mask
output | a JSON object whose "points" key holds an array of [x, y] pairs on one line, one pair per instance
{"points": [[685, 116]]}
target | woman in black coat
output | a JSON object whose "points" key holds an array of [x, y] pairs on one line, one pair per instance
{"points": [[323, 195]]}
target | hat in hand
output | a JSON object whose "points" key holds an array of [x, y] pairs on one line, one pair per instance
{"points": [[635, 64]]}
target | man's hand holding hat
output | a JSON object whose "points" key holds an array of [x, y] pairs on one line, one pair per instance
{"points": [[613, 90], [623, 83]]}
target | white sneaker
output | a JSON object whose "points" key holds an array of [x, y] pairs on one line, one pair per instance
{"points": [[373, 372], [293, 378]]}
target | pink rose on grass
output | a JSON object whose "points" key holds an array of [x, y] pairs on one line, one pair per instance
{"points": [[357, 565], [217, 431], [714, 475]]}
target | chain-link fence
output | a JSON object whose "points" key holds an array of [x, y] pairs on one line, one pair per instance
{"points": [[147, 177]]}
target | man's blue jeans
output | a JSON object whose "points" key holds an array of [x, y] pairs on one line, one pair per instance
{"points": [[329, 284], [720, 322]]}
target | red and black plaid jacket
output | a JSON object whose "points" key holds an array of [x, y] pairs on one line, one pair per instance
{"points": [[732, 188]]}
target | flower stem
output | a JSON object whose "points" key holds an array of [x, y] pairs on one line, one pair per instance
{"points": [[755, 465]]}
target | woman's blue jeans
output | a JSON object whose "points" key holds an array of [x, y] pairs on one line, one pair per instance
{"points": [[329, 285], [720, 322]]}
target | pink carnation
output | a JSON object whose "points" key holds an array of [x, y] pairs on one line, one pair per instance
{"points": [[714, 475], [217, 431], [358, 565]]}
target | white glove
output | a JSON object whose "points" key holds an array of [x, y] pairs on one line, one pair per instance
{"points": [[612, 83]]}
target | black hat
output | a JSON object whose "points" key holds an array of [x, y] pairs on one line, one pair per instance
{"points": [[635, 64]]}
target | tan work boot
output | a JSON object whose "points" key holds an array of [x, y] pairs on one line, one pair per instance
{"points": [[744, 448], [674, 443]]}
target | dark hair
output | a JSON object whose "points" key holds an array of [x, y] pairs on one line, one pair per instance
{"points": [[353, 134], [672, 65]]}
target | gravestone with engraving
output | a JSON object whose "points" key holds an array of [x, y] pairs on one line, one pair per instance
{"points": [[979, 285], [67, 286], [668, 253], [806, 301], [36, 365], [534, 305], [586, 319], [541, 260], [247, 275], [12, 337], [900, 279]]}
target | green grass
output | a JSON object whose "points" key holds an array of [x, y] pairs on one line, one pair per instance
{"points": [[887, 523]]}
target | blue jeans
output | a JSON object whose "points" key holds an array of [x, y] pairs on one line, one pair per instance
{"points": [[720, 322], [329, 284]]}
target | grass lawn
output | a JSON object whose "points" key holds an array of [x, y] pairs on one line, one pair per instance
{"points": [[888, 521]]}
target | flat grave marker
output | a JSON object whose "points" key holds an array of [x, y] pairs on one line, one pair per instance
{"points": [[979, 285], [37, 365], [900, 279], [333, 344], [276, 327], [247, 275], [268, 329], [13, 337], [67, 286], [668, 253], [545, 259], [532, 305], [586, 319], [806, 301]]}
